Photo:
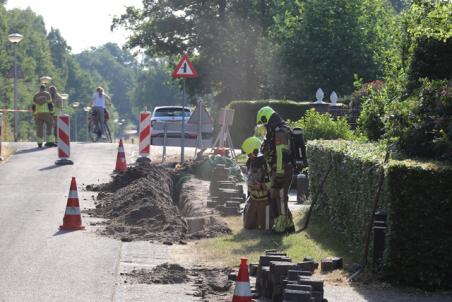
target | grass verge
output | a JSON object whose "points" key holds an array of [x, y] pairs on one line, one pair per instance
{"points": [[319, 241]]}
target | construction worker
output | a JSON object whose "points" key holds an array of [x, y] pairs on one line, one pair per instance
{"points": [[42, 110], [277, 151], [57, 102], [257, 213]]}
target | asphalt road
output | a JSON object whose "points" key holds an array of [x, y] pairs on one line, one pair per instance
{"points": [[40, 263]]}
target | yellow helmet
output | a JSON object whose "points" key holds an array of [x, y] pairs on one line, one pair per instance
{"points": [[251, 145], [264, 114]]}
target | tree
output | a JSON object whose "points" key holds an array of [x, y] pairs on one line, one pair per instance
{"points": [[60, 52], [428, 41], [116, 69], [155, 88], [326, 43], [221, 34]]}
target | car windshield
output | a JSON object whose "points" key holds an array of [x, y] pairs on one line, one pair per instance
{"points": [[167, 112]]}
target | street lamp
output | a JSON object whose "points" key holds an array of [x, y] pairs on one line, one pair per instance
{"points": [[64, 97], [75, 105], [15, 39]]}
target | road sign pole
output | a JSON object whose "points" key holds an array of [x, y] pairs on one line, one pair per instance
{"points": [[182, 145], [184, 69]]}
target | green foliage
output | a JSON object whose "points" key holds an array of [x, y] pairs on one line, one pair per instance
{"points": [[155, 88], [325, 43], [427, 41], [432, 59], [419, 238], [422, 125], [223, 33], [346, 198], [246, 111], [431, 19], [116, 69], [322, 126], [416, 196], [376, 99]]}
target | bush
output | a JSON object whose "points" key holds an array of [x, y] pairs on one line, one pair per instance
{"points": [[417, 197], [246, 111], [322, 126], [373, 98], [422, 125]]}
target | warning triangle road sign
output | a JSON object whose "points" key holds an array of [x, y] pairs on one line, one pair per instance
{"points": [[184, 69]]}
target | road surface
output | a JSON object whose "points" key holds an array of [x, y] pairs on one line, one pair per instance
{"points": [[40, 263]]}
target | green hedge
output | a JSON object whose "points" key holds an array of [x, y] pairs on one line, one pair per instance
{"points": [[347, 196], [246, 111], [417, 197], [420, 216]]}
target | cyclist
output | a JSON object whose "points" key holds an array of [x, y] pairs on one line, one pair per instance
{"points": [[100, 100]]}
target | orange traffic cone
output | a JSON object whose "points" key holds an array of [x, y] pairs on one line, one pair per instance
{"points": [[242, 292], [72, 219], [121, 165]]}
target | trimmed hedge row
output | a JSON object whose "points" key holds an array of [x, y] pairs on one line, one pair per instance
{"points": [[417, 197], [348, 193], [246, 111], [420, 215]]}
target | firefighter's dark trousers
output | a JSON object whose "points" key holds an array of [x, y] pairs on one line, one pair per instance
{"points": [[280, 193], [257, 214], [40, 120]]}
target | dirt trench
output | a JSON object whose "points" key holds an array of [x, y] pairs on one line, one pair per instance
{"points": [[210, 284], [154, 202]]}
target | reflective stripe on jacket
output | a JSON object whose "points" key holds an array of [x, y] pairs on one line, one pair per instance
{"points": [[282, 148]]}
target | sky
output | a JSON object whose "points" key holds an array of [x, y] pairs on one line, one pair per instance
{"points": [[83, 23]]}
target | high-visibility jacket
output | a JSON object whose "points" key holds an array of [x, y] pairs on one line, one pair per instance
{"points": [[276, 147], [42, 103]]}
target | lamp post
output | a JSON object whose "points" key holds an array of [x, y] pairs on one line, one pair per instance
{"points": [[15, 39], [87, 109], [75, 105], [64, 97]]}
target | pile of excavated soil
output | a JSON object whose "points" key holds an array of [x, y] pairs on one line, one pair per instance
{"points": [[139, 206], [211, 284]]}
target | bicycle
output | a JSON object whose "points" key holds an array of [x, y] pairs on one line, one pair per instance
{"points": [[94, 130]]}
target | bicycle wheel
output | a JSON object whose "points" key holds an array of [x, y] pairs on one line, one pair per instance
{"points": [[107, 133], [93, 131]]}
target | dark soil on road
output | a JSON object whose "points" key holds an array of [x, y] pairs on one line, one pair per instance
{"points": [[211, 284], [139, 205]]}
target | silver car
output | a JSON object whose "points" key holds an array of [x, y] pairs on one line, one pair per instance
{"points": [[168, 114]]}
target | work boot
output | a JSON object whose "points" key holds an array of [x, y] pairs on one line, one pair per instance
{"points": [[290, 230], [39, 145]]}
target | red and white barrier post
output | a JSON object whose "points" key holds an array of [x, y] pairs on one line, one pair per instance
{"points": [[1, 135], [145, 136], [64, 142]]}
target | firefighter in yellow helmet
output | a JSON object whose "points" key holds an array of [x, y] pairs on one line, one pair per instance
{"points": [[257, 213], [277, 151], [42, 111]]}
